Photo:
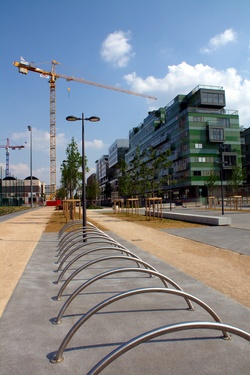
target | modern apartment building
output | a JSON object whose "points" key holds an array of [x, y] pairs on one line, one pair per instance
{"points": [[245, 140], [202, 135], [102, 166]]}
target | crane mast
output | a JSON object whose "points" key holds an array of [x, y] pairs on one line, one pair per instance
{"points": [[7, 147], [23, 68]]}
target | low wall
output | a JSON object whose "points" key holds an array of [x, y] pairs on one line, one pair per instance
{"points": [[199, 219]]}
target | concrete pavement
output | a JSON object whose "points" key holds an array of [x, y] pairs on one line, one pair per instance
{"points": [[235, 237], [29, 339]]}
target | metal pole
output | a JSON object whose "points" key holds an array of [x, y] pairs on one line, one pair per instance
{"points": [[222, 191], [31, 182], [84, 221]]}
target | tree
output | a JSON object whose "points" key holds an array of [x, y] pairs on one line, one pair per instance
{"points": [[92, 190], [211, 182], [123, 179], [71, 169], [157, 163], [146, 172], [237, 178]]}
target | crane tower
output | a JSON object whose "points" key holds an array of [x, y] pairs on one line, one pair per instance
{"points": [[7, 147], [24, 67]]}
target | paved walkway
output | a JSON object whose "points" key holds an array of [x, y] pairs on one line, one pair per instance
{"points": [[29, 339], [235, 237]]}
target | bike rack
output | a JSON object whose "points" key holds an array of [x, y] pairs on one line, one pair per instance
{"points": [[110, 245], [109, 301], [91, 262], [95, 236], [78, 236], [164, 279]]}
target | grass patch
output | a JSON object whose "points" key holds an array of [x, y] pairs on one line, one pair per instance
{"points": [[5, 210], [56, 222]]}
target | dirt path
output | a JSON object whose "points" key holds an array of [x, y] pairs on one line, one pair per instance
{"points": [[223, 270]]}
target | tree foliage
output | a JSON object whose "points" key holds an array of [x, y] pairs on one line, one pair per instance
{"points": [[146, 173], [237, 178], [71, 174], [211, 181]]}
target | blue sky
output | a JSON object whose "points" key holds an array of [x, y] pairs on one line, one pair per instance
{"points": [[160, 48]]}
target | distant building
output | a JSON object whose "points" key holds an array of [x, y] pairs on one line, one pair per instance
{"points": [[102, 167], [17, 192], [202, 135], [117, 152], [245, 141]]}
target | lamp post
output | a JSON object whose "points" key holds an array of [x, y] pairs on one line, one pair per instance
{"points": [[92, 119], [31, 182]]}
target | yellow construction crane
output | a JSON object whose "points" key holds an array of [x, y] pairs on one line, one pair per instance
{"points": [[23, 67]]}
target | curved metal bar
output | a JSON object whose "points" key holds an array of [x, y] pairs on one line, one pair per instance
{"points": [[81, 245], [78, 234], [78, 239], [91, 235], [78, 270], [66, 236], [101, 365], [109, 257], [68, 225], [164, 279], [77, 257], [77, 224], [98, 307]]}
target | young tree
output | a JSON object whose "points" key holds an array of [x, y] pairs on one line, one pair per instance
{"points": [[92, 191], [211, 182], [124, 181], [71, 168], [157, 162], [237, 178]]}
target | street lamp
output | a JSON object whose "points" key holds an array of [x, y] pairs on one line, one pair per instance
{"points": [[31, 182], [92, 119]]}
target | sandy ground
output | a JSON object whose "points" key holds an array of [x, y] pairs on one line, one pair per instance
{"points": [[223, 270], [18, 239], [226, 271]]}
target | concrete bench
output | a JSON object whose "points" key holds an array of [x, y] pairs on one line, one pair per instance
{"points": [[199, 219]]}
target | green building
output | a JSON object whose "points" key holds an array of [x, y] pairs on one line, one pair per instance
{"points": [[204, 139]]}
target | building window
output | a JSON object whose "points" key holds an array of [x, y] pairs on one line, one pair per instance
{"points": [[197, 173], [224, 122], [197, 119], [201, 159], [216, 134], [198, 145]]}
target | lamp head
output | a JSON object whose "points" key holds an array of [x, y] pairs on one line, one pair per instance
{"points": [[93, 119], [72, 118]]}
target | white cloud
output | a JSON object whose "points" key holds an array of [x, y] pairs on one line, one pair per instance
{"points": [[19, 170], [220, 40], [95, 144], [116, 49], [40, 140], [182, 78]]}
